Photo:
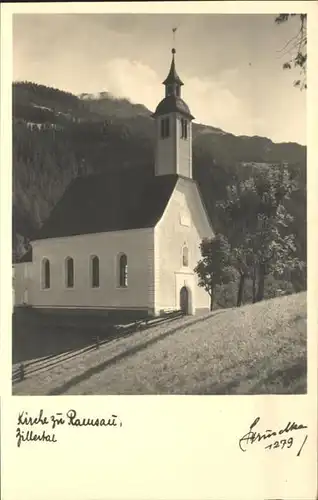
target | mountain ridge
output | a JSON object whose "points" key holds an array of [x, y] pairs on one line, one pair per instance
{"points": [[97, 99], [99, 96]]}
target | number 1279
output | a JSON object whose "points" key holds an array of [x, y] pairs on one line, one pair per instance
{"points": [[288, 443], [280, 444]]}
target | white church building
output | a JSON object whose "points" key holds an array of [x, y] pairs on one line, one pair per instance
{"points": [[125, 240]]}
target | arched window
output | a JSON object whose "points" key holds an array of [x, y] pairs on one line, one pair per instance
{"points": [[162, 128], [184, 128], [165, 127], [185, 256], [123, 271], [45, 273], [69, 270], [95, 271]]}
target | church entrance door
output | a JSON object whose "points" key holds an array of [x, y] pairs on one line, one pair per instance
{"points": [[184, 300]]}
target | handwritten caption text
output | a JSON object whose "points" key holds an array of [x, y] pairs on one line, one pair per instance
{"points": [[43, 427]]}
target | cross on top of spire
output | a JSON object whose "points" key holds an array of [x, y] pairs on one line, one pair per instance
{"points": [[174, 36], [173, 77]]}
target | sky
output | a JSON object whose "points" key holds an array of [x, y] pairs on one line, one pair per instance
{"points": [[231, 65]]}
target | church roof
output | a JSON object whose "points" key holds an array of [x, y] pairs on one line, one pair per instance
{"points": [[172, 104], [111, 201]]}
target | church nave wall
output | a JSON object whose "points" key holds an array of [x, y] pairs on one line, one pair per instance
{"points": [[136, 244]]}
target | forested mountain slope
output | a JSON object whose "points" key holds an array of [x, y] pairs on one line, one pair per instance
{"points": [[57, 136]]}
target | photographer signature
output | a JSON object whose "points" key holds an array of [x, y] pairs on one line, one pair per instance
{"points": [[281, 440]]}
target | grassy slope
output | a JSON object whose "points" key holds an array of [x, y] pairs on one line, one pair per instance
{"points": [[256, 349]]}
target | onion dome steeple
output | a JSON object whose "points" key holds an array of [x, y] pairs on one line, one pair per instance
{"points": [[173, 126], [172, 101]]}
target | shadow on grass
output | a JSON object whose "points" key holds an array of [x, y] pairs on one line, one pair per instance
{"points": [[35, 335], [130, 352], [62, 344]]}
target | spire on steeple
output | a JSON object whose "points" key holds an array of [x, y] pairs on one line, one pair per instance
{"points": [[173, 82], [172, 101], [173, 77]]}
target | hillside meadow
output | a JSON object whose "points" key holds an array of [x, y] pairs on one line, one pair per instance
{"points": [[255, 349]]}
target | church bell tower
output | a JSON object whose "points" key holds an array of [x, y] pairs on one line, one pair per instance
{"points": [[173, 124]]}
